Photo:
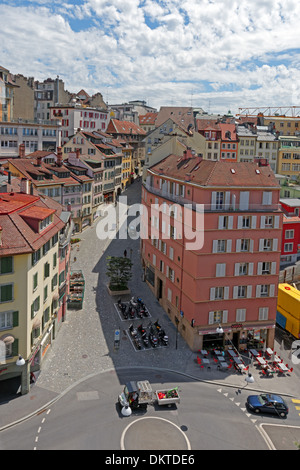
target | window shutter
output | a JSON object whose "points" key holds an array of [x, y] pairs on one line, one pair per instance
{"points": [[226, 293], [15, 318], [227, 200], [273, 267], [228, 246], [215, 246], [251, 245], [276, 221], [230, 222], [250, 269], [249, 292], [221, 222], [272, 290], [212, 293], [253, 221], [237, 269], [259, 268], [275, 244], [238, 245], [261, 244], [225, 316], [15, 347], [235, 292], [262, 221], [240, 221], [213, 200], [258, 287], [210, 318]]}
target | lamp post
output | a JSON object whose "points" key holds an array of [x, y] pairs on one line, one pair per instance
{"points": [[25, 379]]}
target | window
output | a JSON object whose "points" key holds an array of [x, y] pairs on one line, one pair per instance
{"points": [[36, 256], [221, 247], [263, 313], [6, 292], [35, 306], [288, 247], [217, 316], [6, 320], [243, 269], [45, 293], [35, 281], [6, 265], [264, 290], [245, 244], [266, 267], [46, 270], [240, 314], [241, 292], [219, 199], [219, 293], [289, 234]]}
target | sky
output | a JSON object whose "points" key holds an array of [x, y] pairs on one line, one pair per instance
{"points": [[217, 55]]}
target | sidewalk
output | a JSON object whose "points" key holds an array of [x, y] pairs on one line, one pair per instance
{"points": [[84, 346]]}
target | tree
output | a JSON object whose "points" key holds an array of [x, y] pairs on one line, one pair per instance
{"points": [[119, 272]]}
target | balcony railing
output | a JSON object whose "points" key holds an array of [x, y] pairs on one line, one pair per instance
{"points": [[209, 207]]}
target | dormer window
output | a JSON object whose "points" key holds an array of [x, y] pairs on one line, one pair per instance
{"points": [[44, 223]]}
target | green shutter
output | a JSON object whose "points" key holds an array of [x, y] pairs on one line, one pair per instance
{"points": [[15, 347], [15, 318]]}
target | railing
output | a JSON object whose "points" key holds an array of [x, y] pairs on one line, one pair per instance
{"points": [[209, 207]]}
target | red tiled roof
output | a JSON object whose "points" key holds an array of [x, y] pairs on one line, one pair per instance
{"points": [[148, 118], [219, 173], [124, 127], [17, 235]]}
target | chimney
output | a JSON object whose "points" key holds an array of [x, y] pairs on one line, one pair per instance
{"points": [[22, 150], [77, 154], [24, 186], [188, 177], [59, 156], [8, 177], [38, 161]]}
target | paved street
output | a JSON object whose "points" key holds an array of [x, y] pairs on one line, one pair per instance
{"points": [[84, 346]]}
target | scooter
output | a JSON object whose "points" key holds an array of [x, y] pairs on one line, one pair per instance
{"points": [[163, 337], [132, 311], [152, 337], [157, 325], [137, 342], [132, 330], [133, 303], [143, 334]]}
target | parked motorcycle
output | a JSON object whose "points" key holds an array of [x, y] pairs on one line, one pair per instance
{"points": [[132, 330], [157, 325], [132, 311], [164, 339], [153, 337], [143, 334], [137, 342], [133, 302]]}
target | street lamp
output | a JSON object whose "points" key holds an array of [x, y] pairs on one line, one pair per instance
{"points": [[20, 361]]}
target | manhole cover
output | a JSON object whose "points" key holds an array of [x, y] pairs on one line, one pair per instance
{"points": [[84, 356]]}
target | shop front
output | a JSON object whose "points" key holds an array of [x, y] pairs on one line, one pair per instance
{"points": [[242, 337]]}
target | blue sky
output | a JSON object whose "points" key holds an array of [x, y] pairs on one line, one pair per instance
{"points": [[214, 54]]}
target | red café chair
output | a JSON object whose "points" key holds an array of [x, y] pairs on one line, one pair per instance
{"points": [[246, 368], [198, 360], [291, 369]]}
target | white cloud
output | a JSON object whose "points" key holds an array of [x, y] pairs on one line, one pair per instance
{"points": [[164, 51]]}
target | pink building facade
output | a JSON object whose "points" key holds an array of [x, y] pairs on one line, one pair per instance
{"points": [[229, 275]]}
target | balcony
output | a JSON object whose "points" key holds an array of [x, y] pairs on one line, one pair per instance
{"points": [[222, 208]]}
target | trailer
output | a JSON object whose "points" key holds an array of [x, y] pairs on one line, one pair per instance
{"points": [[139, 394], [288, 309]]}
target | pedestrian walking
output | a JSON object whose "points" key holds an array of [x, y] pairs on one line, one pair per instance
{"points": [[125, 254]]}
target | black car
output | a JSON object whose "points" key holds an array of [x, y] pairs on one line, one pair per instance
{"points": [[267, 403]]}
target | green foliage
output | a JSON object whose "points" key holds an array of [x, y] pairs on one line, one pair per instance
{"points": [[119, 272]]}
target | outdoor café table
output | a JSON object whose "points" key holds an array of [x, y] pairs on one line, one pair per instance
{"points": [[205, 361], [218, 352], [261, 361], [238, 360], [223, 365], [277, 359], [254, 352], [203, 352], [283, 367], [232, 352], [269, 351]]}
